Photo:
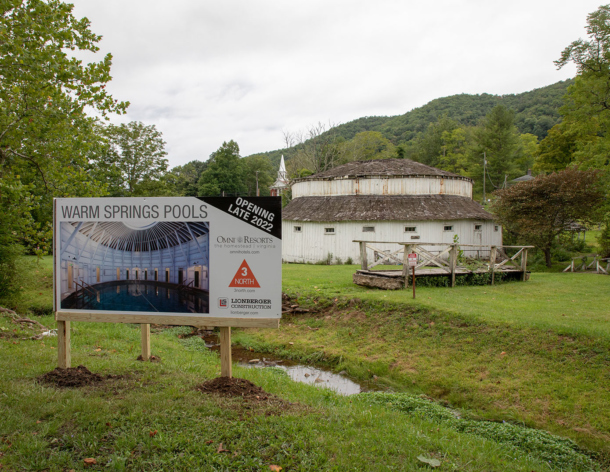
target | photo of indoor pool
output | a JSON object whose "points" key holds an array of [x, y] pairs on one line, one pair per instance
{"points": [[158, 267], [137, 295]]}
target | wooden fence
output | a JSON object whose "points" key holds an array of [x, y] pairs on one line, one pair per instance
{"points": [[580, 263], [444, 261]]}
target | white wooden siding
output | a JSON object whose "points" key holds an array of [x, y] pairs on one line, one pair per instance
{"points": [[312, 244], [383, 186]]}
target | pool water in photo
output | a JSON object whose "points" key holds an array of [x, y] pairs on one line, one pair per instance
{"points": [[138, 295]]}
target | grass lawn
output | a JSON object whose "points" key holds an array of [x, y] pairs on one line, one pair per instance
{"points": [[576, 303], [505, 353]]}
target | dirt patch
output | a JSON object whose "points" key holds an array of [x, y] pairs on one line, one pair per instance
{"points": [[234, 387], [72, 377], [255, 401], [150, 359]]}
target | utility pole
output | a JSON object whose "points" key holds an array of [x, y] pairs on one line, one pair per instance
{"points": [[258, 194], [484, 172]]}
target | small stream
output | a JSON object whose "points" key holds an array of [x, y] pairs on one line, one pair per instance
{"points": [[311, 375]]}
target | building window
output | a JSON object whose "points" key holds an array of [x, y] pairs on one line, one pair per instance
{"points": [[496, 228], [298, 229], [448, 228], [414, 237], [478, 227], [410, 229], [368, 229], [329, 230]]}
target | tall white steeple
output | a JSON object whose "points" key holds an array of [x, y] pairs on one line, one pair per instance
{"points": [[282, 179]]}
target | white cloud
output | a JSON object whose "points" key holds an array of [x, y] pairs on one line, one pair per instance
{"points": [[207, 72]]}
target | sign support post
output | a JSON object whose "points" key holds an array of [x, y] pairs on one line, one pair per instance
{"points": [[145, 341], [226, 367], [63, 345], [414, 282]]}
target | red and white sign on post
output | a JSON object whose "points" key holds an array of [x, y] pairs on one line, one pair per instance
{"points": [[412, 258]]}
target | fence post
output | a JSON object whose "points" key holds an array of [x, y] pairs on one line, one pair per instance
{"points": [[453, 262], [492, 263], [524, 263], [363, 262], [405, 264]]}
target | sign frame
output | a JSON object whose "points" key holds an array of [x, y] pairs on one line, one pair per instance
{"points": [[257, 220]]}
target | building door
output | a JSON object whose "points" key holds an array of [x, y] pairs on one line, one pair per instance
{"points": [[118, 273], [167, 275], [97, 275], [180, 276], [126, 274], [197, 279], [145, 274], [70, 275], [156, 275], [137, 274]]}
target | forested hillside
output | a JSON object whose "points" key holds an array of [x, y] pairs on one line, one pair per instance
{"points": [[536, 112]]}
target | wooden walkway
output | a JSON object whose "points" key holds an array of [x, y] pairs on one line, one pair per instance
{"points": [[443, 262]]}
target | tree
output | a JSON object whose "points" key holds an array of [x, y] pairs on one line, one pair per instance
{"points": [[316, 149], [134, 163], [427, 147], [258, 165], [498, 139], [365, 146], [455, 150], [540, 210], [45, 135], [224, 174], [186, 178]]}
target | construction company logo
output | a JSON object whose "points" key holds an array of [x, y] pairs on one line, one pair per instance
{"points": [[244, 277], [223, 302]]}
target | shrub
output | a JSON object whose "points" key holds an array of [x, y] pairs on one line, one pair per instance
{"points": [[604, 240]]}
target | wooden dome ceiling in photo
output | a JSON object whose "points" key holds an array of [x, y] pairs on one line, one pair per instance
{"points": [[156, 236]]}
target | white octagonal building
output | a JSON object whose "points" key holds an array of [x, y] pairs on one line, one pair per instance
{"points": [[395, 200]]}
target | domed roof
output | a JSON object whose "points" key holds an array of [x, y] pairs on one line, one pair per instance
{"points": [[159, 235], [381, 167]]}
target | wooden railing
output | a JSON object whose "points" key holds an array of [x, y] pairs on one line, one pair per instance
{"points": [[85, 288], [445, 259], [184, 285], [582, 264]]}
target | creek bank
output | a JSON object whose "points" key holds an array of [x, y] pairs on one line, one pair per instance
{"points": [[309, 374]]}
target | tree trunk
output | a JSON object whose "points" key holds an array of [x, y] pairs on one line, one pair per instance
{"points": [[547, 256]]}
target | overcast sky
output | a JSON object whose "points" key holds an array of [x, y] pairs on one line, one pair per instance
{"points": [[205, 72]]}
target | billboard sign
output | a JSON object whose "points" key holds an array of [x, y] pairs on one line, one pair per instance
{"points": [[168, 259]]}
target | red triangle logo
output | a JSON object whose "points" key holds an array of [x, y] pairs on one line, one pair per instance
{"points": [[244, 277]]}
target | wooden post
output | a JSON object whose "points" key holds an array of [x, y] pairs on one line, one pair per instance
{"points": [[524, 264], [453, 262], [363, 262], [145, 341], [226, 368], [413, 282], [405, 264], [63, 345], [492, 262]]}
